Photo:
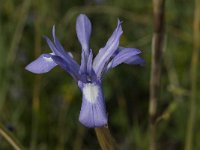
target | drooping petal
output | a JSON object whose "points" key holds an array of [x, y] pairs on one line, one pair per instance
{"points": [[67, 67], [123, 55], [83, 30], [105, 53], [93, 112], [136, 60], [44, 63]]}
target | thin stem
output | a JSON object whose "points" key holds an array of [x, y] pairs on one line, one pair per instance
{"points": [[106, 141], [157, 50], [193, 77], [36, 89], [177, 91], [78, 142], [18, 31], [62, 129], [10, 138], [35, 113], [11, 53]]}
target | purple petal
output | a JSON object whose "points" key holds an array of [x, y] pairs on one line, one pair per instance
{"points": [[67, 67], [51, 45], [105, 53], [83, 67], [44, 63], [89, 63], [59, 48], [93, 112], [60, 51], [83, 30], [123, 55], [136, 60]]}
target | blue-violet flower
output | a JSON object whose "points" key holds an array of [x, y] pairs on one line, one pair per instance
{"points": [[89, 74]]}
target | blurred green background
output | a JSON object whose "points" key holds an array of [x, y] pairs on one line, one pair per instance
{"points": [[42, 110]]}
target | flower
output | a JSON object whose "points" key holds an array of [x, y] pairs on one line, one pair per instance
{"points": [[89, 74]]}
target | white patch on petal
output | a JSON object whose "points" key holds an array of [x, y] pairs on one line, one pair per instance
{"points": [[90, 92], [70, 54], [52, 53], [48, 59]]}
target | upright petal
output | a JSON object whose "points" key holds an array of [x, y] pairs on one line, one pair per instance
{"points": [[83, 30], [59, 48], [93, 112], [67, 67], [44, 63], [89, 63], [59, 51], [51, 45], [105, 53], [83, 67]]}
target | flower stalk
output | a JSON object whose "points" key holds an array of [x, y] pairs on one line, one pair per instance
{"points": [[106, 141], [156, 62], [193, 77]]}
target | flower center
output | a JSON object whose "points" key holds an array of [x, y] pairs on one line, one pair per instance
{"points": [[90, 91]]}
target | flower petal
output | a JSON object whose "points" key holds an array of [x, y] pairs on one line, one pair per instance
{"points": [[123, 54], [83, 30], [51, 45], [83, 67], [136, 60], [58, 49], [93, 112], [105, 53], [67, 66], [89, 63], [127, 56], [44, 63]]}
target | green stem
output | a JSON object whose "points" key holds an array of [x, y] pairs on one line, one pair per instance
{"points": [[10, 138], [78, 142], [193, 79], [18, 32], [36, 89], [106, 141]]}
